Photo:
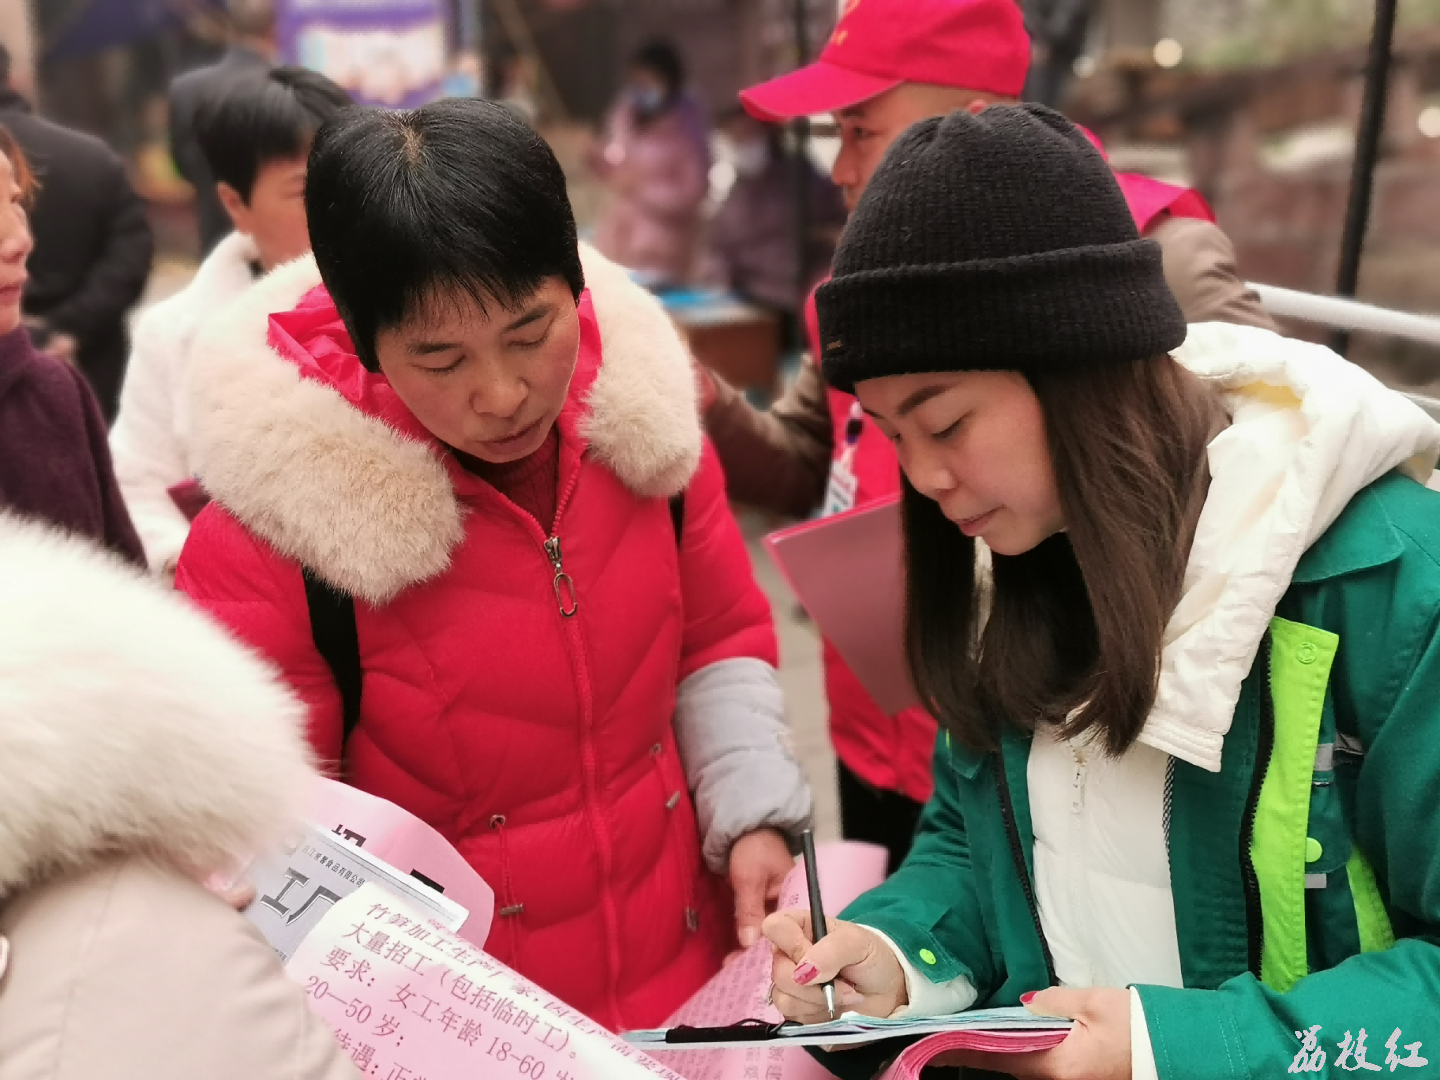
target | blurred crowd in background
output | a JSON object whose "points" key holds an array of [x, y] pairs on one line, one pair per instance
{"points": [[162, 157], [1251, 102]]}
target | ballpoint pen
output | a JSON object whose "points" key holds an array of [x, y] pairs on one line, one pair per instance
{"points": [[817, 909]]}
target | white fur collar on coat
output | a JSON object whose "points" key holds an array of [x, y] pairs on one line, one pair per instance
{"points": [[130, 724], [373, 511]]}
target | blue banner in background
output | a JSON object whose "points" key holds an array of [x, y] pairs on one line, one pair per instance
{"points": [[384, 52]]}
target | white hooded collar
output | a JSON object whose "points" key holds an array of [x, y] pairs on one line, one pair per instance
{"points": [[1309, 432], [222, 277], [228, 270]]}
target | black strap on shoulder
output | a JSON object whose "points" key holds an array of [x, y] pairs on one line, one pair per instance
{"points": [[332, 626], [677, 518]]}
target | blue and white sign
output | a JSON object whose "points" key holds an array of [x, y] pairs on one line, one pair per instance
{"points": [[383, 52]]}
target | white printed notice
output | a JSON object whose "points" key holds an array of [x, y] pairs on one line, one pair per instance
{"points": [[410, 1000], [402, 841], [354, 838], [739, 991], [294, 887]]}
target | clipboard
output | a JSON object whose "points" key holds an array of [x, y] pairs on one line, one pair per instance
{"points": [[848, 571], [998, 1030]]}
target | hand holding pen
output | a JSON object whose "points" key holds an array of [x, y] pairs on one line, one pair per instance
{"points": [[817, 908], [851, 961]]}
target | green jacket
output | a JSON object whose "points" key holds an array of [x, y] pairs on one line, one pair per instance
{"points": [[1331, 767]]}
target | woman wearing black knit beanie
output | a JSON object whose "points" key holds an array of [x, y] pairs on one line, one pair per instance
{"points": [[1173, 596]]}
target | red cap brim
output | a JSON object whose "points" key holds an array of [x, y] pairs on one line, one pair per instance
{"points": [[815, 88]]}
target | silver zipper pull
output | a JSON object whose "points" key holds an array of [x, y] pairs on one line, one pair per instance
{"points": [[564, 587]]}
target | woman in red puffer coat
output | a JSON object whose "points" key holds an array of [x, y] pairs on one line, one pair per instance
{"points": [[438, 418]]}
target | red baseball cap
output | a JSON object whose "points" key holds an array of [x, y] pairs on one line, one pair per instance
{"points": [[879, 44]]}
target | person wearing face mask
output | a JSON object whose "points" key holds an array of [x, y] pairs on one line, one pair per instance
{"points": [[1174, 596], [54, 460], [482, 439], [655, 161], [752, 246], [255, 131]]}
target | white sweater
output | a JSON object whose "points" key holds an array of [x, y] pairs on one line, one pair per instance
{"points": [[1309, 431], [150, 441]]}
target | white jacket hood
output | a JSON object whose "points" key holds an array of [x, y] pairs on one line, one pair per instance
{"points": [[130, 724], [150, 440], [1309, 431]]}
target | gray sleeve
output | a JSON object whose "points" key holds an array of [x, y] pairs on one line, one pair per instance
{"points": [[735, 746]]}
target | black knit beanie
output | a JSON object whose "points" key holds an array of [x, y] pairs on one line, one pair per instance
{"points": [[997, 241]]}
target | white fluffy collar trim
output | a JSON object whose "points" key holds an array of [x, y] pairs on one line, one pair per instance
{"points": [[373, 511], [131, 724]]}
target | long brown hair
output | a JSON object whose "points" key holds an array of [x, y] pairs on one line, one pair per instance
{"points": [[1073, 631]]}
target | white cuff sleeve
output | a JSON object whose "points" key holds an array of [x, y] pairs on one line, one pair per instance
{"points": [[928, 998], [1142, 1054]]}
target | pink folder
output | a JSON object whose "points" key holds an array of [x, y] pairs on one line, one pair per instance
{"points": [[849, 572]]}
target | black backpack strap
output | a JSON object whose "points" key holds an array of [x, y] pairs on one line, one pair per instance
{"points": [[332, 626], [677, 517]]}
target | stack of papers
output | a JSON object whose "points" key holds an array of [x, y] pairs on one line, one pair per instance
{"points": [[917, 1055], [739, 991], [296, 887]]}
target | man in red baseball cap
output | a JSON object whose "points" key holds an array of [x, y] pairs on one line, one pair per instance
{"points": [[888, 64]]}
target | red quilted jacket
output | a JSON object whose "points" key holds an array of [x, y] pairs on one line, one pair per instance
{"points": [[540, 745]]}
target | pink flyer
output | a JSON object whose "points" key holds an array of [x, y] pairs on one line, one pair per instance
{"points": [[408, 1000]]}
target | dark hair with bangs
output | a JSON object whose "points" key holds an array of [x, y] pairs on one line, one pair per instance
{"points": [[1069, 633], [456, 197], [247, 122], [662, 57]]}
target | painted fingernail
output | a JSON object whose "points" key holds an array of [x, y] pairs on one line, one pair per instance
{"points": [[1025, 999], [805, 974]]}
